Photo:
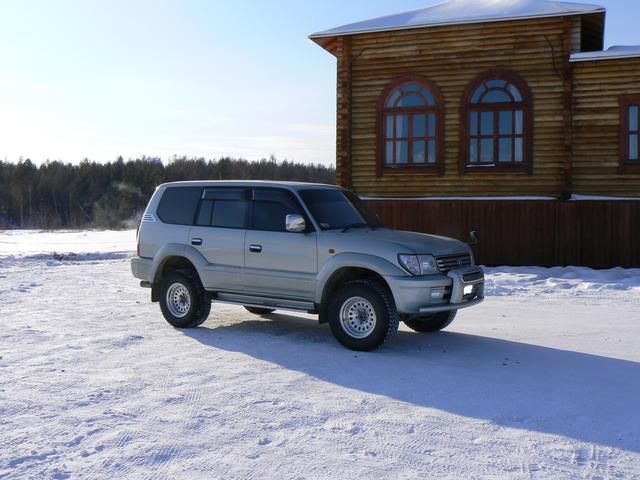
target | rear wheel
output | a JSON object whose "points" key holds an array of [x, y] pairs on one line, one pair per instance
{"points": [[431, 323], [362, 315], [183, 300], [259, 310]]}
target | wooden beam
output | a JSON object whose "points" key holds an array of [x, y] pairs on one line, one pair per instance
{"points": [[344, 116], [567, 109]]}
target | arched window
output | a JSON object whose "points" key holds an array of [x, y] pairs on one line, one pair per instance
{"points": [[497, 124], [411, 132]]}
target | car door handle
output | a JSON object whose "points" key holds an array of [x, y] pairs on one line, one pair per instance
{"points": [[255, 248], [196, 241]]}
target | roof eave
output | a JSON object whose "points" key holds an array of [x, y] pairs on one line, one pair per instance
{"points": [[600, 58], [315, 37]]}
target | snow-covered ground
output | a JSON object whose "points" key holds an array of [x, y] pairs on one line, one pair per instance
{"points": [[542, 380]]}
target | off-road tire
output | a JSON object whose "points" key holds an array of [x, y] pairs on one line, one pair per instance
{"points": [[199, 302], [376, 297], [259, 310], [431, 323]]}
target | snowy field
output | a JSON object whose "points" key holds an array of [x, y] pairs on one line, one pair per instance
{"points": [[542, 380]]}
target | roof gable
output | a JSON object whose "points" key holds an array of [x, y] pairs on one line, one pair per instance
{"points": [[453, 12]]}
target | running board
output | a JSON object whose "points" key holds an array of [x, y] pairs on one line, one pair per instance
{"points": [[264, 302]]}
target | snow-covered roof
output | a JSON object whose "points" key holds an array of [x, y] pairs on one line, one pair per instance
{"points": [[453, 12], [618, 51]]}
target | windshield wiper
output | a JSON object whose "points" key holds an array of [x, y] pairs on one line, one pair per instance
{"points": [[355, 225]]}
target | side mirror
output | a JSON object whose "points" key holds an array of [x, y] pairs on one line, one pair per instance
{"points": [[295, 223]]}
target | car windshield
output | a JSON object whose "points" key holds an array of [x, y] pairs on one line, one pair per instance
{"points": [[333, 209]]}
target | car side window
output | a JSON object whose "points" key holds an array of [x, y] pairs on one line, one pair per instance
{"points": [[178, 205], [270, 209], [224, 208]]}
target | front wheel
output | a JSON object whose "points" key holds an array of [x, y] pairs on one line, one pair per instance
{"points": [[362, 315], [431, 323], [183, 300]]}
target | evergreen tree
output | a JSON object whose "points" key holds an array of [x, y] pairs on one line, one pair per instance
{"points": [[114, 194]]}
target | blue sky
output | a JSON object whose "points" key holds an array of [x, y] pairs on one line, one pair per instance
{"points": [[213, 78]]}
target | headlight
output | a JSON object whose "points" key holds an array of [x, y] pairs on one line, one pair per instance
{"points": [[418, 264], [410, 263], [428, 264]]}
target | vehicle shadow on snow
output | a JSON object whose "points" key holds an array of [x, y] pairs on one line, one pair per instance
{"points": [[589, 398]]}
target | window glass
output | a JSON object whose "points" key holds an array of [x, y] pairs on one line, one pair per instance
{"points": [[474, 123], [633, 147], [411, 87], [204, 214], [486, 151], [519, 126], [432, 152], [495, 127], [519, 153], [419, 125], [402, 152], [178, 205], [506, 121], [389, 153], [515, 93], [486, 123], [633, 118], [428, 97], [500, 84], [224, 208], [390, 119], [419, 152], [496, 96], [406, 133], [411, 100], [230, 213], [432, 124], [338, 209], [393, 98], [477, 94], [423, 95], [473, 149], [402, 126], [505, 154], [270, 209]]}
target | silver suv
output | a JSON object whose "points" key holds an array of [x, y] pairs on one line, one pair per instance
{"points": [[298, 246]]}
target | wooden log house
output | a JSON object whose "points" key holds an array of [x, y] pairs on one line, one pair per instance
{"points": [[505, 117]]}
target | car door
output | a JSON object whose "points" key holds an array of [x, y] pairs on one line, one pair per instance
{"points": [[219, 235], [279, 263]]}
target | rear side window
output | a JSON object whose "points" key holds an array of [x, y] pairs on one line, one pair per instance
{"points": [[270, 209], [178, 205], [224, 208]]}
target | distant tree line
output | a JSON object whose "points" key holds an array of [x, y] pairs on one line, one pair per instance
{"points": [[114, 194]]}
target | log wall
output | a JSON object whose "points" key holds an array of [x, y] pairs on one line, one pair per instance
{"points": [[597, 86], [452, 56]]}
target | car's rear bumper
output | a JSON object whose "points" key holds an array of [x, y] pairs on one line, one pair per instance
{"points": [[141, 268], [437, 293]]}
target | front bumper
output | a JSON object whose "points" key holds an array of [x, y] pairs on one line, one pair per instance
{"points": [[438, 293]]}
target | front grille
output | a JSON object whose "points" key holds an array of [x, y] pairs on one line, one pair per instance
{"points": [[450, 262]]}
